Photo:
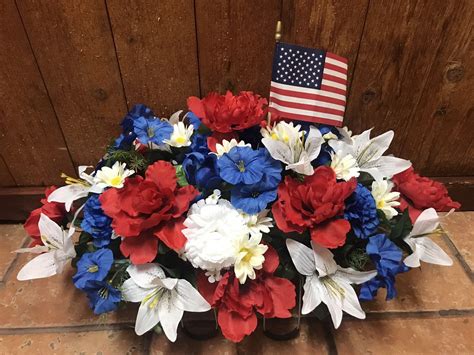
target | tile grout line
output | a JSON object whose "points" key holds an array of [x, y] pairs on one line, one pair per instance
{"points": [[458, 255], [10, 266], [67, 328]]}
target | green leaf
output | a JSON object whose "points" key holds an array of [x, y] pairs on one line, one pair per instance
{"points": [[181, 176], [402, 227]]}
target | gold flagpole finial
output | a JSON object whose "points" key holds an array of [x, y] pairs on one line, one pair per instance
{"points": [[278, 32]]}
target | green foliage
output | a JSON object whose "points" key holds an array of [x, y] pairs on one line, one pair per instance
{"points": [[358, 259], [401, 228], [132, 158], [181, 176]]}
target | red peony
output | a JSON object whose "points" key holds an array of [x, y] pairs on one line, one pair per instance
{"points": [[227, 113], [317, 205], [271, 296], [149, 209], [419, 193], [53, 210]]}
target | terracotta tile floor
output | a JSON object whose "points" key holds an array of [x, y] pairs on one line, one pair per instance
{"points": [[434, 314]]}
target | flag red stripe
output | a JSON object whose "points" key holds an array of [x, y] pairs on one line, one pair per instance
{"points": [[333, 89], [306, 118], [335, 67], [336, 57], [335, 79], [309, 96], [307, 107]]}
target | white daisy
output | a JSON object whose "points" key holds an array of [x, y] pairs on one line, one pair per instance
{"points": [[384, 198], [112, 177]]}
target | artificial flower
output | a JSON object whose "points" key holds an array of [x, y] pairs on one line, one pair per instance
{"points": [[384, 198], [128, 136], [368, 154], [315, 204], [249, 257], [96, 222], [103, 297], [149, 209], [241, 165], [327, 282], [93, 266], [218, 138], [361, 212], [258, 223], [290, 146], [227, 113], [152, 130], [162, 300], [57, 250], [387, 259], [181, 136], [345, 166], [201, 170], [54, 210], [225, 146], [112, 177], [423, 248], [213, 227], [236, 304]]}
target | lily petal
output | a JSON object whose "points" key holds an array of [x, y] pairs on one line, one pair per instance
{"points": [[189, 299], [324, 260], [146, 275], [43, 265], [334, 303], [430, 252], [311, 296], [50, 231], [426, 222], [68, 194], [147, 316], [354, 276], [170, 316], [302, 257], [350, 301], [131, 292]]}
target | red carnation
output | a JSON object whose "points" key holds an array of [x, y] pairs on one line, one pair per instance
{"points": [[54, 210], [271, 296], [148, 209], [227, 113], [419, 193], [316, 204]]}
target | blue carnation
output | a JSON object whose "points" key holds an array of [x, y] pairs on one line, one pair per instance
{"points": [[103, 297], [361, 212], [152, 130], [199, 143], [241, 165], [128, 136], [93, 266], [387, 258], [96, 222], [201, 170]]}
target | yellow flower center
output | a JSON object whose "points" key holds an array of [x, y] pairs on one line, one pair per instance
{"points": [[181, 140], [93, 268], [241, 166], [380, 204], [116, 180]]}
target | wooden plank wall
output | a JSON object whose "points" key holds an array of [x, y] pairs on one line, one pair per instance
{"points": [[70, 69]]}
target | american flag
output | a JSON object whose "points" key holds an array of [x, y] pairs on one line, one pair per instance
{"points": [[308, 85]]}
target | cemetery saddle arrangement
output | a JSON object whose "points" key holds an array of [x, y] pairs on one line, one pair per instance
{"points": [[225, 208]]}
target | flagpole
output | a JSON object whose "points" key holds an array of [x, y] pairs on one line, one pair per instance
{"points": [[277, 39]]}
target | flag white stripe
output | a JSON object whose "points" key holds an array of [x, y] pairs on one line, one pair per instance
{"points": [[306, 101], [297, 89], [335, 73], [334, 84], [306, 112], [336, 62]]}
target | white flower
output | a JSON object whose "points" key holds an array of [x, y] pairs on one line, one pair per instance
{"points": [[213, 227], [327, 282], [163, 300], [181, 136], [368, 154], [424, 249], [58, 250], [112, 177], [345, 166], [226, 146], [288, 145], [249, 257], [258, 223], [328, 136], [385, 200], [75, 188]]}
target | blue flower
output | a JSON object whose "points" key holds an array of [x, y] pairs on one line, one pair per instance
{"points": [[152, 130], [199, 143], [128, 136], [201, 170], [96, 222], [241, 165], [102, 296], [361, 212], [93, 266], [194, 120], [387, 258]]}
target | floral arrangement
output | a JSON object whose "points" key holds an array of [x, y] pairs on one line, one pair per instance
{"points": [[226, 208]]}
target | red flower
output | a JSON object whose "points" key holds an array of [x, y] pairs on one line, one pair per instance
{"points": [[419, 193], [269, 295], [317, 205], [227, 113], [148, 209], [53, 210]]}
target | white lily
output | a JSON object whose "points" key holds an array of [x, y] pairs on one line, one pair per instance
{"points": [[288, 145], [424, 249], [369, 154], [327, 282], [163, 300], [385, 199], [75, 188], [56, 252], [112, 177], [225, 146]]}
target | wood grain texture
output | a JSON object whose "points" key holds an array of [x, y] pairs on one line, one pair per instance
{"points": [[332, 25], [236, 39], [31, 142], [156, 47], [439, 135], [6, 178], [73, 44]]}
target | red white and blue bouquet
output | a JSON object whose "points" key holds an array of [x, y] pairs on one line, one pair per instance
{"points": [[222, 208]]}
